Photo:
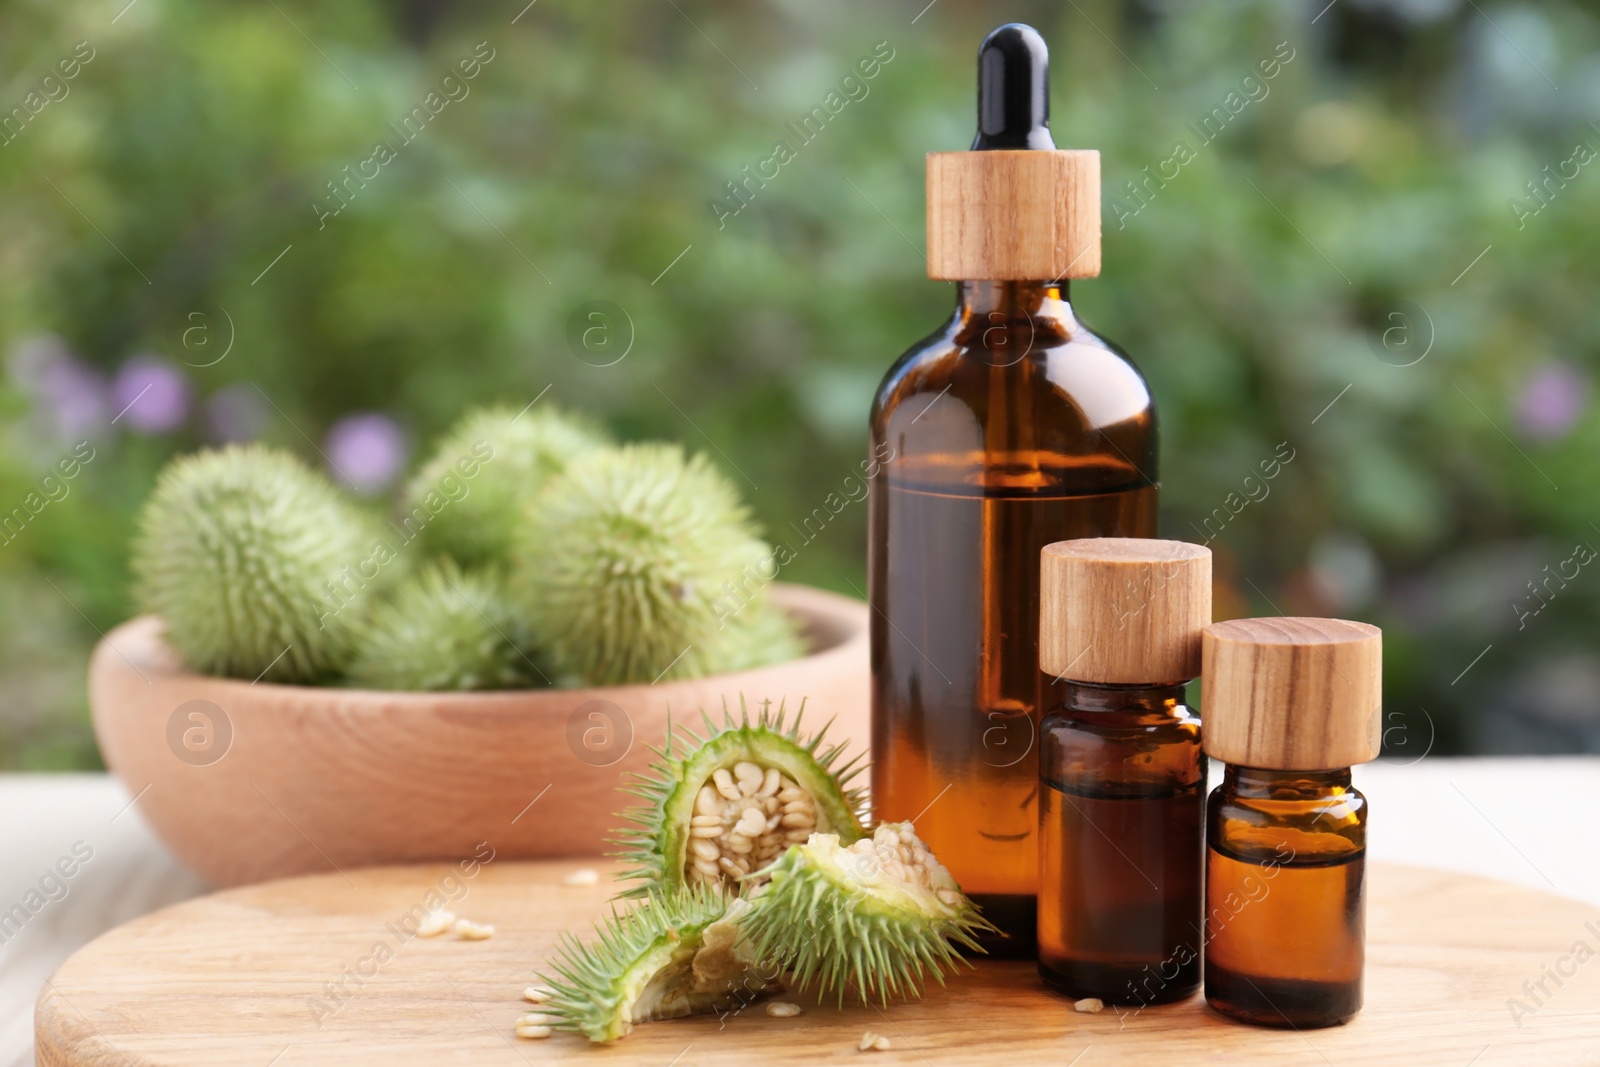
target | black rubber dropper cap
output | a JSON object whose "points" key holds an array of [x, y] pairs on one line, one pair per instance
{"points": [[1013, 90]]}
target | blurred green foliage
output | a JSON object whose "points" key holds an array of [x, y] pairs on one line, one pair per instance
{"points": [[1357, 211]]}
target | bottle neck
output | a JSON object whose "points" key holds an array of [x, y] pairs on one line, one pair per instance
{"points": [[1161, 699], [1258, 783], [992, 301]]}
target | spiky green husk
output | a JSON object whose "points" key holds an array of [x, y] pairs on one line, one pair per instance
{"points": [[672, 956], [657, 843], [253, 562], [470, 497], [445, 628], [877, 919], [760, 635], [625, 558]]}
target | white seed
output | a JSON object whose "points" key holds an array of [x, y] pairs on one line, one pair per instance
{"points": [[706, 867], [724, 783], [771, 783], [1091, 1005], [708, 832], [752, 823], [728, 865], [797, 818], [746, 771], [536, 994], [782, 1009], [740, 845], [948, 896], [870, 1040], [435, 923], [704, 849], [792, 792], [706, 820], [798, 836], [533, 1032], [770, 805], [535, 1018], [468, 930], [705, 802], [582, 876]]}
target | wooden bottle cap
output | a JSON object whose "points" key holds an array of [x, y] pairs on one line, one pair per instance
{"points": [[1292, 694], [1123, 610], [1013, 215]]}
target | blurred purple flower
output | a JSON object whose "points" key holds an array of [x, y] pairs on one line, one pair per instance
{"points": [[1551, 400], [366, 450], [70, 395], [235, 413], [150, 394]]}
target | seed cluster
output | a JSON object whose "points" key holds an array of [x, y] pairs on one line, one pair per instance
{"points": [[896, 853], [743, 820]]}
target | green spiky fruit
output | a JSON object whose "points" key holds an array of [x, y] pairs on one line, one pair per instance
{"points": [[874, 918], [445, 628], [760, 635], [255, 563], [672, 956], [720, 807], [624, 561], [469, 499]]}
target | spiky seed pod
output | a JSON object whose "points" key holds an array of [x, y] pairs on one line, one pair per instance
{"points": [[874, 918], [445, 628], [469, 499], [672, 956], [760, 635], [254, 562], [720, 807], [624, 559]]}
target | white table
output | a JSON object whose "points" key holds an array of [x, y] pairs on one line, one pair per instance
{"points": [[1520, 820]]}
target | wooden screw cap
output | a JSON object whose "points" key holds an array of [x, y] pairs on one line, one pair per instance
{"points": [[1122, 610], [1017, 215], [1292, 694]]}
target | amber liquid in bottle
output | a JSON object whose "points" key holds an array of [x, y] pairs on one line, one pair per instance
{"points": [[1122, 814], [1011, 427], [1285, 897]]}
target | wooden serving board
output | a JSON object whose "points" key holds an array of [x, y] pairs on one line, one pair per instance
{"points": [[250, 977]]}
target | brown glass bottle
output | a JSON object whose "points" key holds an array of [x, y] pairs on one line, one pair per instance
{"points": [[1122, 778], [1285, 897], [1291, 705], [1011, 427]]}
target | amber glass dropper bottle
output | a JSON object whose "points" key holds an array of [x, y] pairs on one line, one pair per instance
{"points": [[1009, 427], [1290, 705]]}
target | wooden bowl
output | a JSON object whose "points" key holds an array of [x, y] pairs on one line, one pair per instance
{"points": [[250, 781]]}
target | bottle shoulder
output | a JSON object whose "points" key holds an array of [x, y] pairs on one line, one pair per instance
{"points": [[1062, 360], [1313, 829], [1046, 400], [1121, 751]]}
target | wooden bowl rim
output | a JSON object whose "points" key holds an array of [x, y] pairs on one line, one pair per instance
{"points": [[139, 644]]}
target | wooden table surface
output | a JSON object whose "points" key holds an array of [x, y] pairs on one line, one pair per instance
{"points": [[1522, 821], [318, 971]]}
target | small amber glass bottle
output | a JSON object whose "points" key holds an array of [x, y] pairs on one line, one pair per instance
{"points": [[1290, 706], [1121, 772]]}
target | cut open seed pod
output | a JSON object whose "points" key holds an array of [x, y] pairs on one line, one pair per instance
{"points": [[666, 958], [876, 917], [722, 807]]}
